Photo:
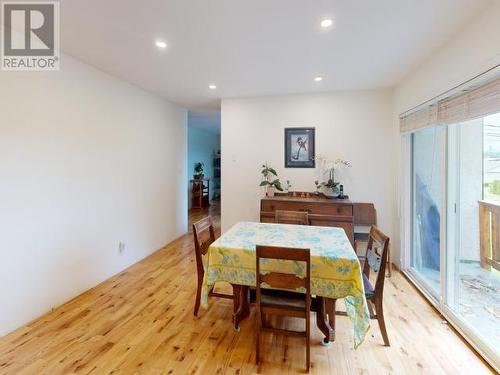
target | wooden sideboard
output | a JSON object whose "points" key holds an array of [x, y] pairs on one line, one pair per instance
{"points": [[322, 211]]}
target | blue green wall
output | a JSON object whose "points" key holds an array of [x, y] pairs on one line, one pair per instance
{"points": [[202, 144]]}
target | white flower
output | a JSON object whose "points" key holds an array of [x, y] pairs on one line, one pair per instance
{"points": [[326, 165]]}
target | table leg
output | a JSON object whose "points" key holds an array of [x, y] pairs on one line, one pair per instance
{"points": [[241, 304], [322, 319], [330, 310], [245, 302]]}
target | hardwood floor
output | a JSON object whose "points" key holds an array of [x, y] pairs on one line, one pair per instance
{"points": [[141, 322]]}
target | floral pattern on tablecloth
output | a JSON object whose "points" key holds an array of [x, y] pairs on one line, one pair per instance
{"points": [[335, 268]]}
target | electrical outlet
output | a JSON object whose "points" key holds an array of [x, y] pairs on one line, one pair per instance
{"points": [[121, 247]]}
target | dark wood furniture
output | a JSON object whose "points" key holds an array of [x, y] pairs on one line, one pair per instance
{"points": [[291, 217], [200, 193], [376, 260], [204, 235], [243, 296], [289, 303], [216, 178], [365, 216], [321, 211]]}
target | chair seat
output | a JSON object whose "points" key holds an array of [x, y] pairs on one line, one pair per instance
{"points": [[283, 299], [369, 290]]}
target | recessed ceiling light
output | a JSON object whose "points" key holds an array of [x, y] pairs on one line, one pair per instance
{"points": [[161, 44], [212, 87], [318, 79], [326, 23]]}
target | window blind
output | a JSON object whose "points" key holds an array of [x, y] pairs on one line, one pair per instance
{"points": [[421, 119], [478, 102], [469, 104]]}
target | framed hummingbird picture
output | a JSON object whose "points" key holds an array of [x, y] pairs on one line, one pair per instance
{"points": [[299, 147]]}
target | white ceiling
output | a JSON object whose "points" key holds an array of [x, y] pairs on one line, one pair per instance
{"points": [[258, 47]]}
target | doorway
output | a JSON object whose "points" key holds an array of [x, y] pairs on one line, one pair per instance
{"points": [[204, 161]]}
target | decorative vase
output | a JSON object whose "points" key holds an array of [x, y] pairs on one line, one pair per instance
{"points": [[270, 191], [331, 192]]}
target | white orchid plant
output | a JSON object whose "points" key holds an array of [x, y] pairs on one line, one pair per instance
{"points": [[328, 167]]}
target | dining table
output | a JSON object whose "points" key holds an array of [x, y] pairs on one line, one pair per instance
{"points": [[335, 270]]}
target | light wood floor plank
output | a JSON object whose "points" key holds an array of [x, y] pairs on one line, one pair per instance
{"points": [[141, 322]]}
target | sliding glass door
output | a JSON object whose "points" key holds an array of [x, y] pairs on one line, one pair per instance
{"points": [[473, 228], [450, 205], [454, 234], [426, 212]]}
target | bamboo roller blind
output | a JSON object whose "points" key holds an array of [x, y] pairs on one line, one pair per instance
{"points": [[470, 104]]}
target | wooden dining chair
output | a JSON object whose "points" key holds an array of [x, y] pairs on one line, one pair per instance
{"points": [[365, 216], [291, 217], [286, 301], [375, 260], [204, 236]]}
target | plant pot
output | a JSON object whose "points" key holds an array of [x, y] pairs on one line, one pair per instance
{"points": [[270, 191], [331, 192], [198, 176]]}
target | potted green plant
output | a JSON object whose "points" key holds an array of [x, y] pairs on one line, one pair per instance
{"points": [[270, 180], [198, 171]]}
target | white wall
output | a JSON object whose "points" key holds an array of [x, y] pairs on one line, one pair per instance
{"points": [[471, 51], [86, 161], [356, 126]]}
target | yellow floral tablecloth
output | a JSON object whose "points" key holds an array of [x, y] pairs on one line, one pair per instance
{"points": [[335, 268]]}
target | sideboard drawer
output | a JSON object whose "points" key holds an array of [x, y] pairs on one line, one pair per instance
{"points": [[342, 209], [312, 208]]}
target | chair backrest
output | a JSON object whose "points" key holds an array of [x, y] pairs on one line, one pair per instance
{"points": [[280, 280], [376, 257], [204, 236], [291, 217]]}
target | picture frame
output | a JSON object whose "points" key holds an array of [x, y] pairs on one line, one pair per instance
{"points": [[300, 147]]}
